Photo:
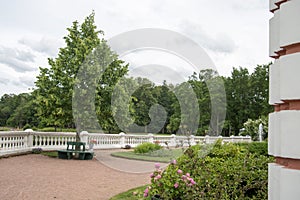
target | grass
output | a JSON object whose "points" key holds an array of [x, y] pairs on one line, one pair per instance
{"points": [[52, 129], [52, 154], [128, 195], [162, 155], [5, 129]]}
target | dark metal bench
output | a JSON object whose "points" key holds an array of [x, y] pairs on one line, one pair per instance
{"points": [[75, 150]]}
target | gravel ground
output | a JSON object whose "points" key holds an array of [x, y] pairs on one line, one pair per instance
{"points": [[38, 177]]}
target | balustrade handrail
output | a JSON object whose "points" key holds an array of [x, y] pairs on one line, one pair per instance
{"points": [[12, 142]]}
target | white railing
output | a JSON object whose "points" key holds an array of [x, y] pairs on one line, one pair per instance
{"points": [[15, 142]]}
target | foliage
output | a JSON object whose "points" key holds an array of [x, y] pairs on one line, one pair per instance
{"points": [[220, 172], [37, 150], [162, 155], [146, 147], [252, 127], [132, 194], [52, 154], [53, 129], [17, 110], [5, 129], [247, 96], [258, 148]]}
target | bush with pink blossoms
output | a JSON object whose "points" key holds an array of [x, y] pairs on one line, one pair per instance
{"points": [[217, 171], [172, 183]]}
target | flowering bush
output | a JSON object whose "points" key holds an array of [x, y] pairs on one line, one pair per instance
{"points": [[214, 171], [172, 183]]}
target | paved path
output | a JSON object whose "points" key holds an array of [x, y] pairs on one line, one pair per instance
{"points": [[38, 177], [125, 165]]}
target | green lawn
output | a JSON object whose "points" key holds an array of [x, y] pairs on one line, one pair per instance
{"points": [[52, 154], [132, 194], [163, 155]]}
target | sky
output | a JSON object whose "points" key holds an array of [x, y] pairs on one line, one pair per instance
{"points": [[233, 33]]}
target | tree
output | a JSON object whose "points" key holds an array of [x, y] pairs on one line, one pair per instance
{"points": [[24, 114], [238, 98], [55, 85], [251, 127]]}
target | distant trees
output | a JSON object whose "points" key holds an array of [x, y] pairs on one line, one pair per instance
{"points": [[18, 110], [246, 96]]}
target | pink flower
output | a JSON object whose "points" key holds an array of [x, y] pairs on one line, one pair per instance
{"points": [[176, 185], [188, 174], [158, 177], [193, 182], [146, 191], [179, 171], [183, 177], [157, 165], [151, 175], [174, 162]]}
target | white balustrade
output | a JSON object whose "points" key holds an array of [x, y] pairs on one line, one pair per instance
{"points": [[14, 142]]}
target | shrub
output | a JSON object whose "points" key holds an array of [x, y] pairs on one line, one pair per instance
{"points": [[27, 126], [37, 150], [259, 148], [219, 171], [146, 147]]}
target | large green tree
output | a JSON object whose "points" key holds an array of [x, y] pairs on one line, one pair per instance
{"points": [[54, 85]]}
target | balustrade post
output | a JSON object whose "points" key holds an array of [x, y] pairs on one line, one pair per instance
{"points": [[151, 138], [30, 137], [192, 140], [248, 138], [232, 138], [84, 136], [207, 139], [122, 139], [220, 137], [173, 140]]}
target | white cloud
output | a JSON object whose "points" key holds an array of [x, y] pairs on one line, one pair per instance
{"points": [[48, 46], [17, 59], [234, 33], [220, 42]]}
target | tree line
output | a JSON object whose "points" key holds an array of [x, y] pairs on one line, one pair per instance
{"points": [[51, 104]]}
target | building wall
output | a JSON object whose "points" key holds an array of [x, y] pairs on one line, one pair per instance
{"points": [[284, 122]]}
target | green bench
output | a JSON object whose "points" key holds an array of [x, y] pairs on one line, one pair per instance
{"points": [[75, 150]]}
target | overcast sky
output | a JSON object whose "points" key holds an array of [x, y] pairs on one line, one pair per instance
{"points": [[233, 33]]}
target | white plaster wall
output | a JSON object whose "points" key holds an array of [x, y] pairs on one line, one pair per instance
{"points": [[289, 184], [284, 134], [289, 76], [274, 181], [274, 32], [272, 5], [289, 133], [274, 147], [274, 83], [283, 183], [289, 23]]}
